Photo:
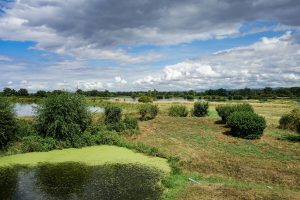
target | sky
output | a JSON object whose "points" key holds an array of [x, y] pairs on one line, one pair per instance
{"points": [[149, 44]]}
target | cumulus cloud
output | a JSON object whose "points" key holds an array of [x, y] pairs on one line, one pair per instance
{"points": [[118, 79], [97, 28], [270, 62]]}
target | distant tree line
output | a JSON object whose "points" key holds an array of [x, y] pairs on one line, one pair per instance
{"points": [[212, 94]]}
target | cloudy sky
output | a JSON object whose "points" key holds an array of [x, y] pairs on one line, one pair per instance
{"points": [[147, 44]]}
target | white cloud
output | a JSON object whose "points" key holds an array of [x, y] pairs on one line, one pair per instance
{"points": [[270, 62], [118, 79]]}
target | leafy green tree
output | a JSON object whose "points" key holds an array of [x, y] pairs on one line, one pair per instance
{"points": [[23, 92], [41, 93], [8, 123], [145, 99], [63, 116], [9, 92]]}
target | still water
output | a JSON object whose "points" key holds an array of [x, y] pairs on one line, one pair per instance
{"points": [[77, 181], [28, 110]]}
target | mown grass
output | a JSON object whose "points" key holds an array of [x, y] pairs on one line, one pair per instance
{"points": [[228, 167]]}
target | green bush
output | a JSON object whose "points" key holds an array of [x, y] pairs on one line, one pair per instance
{"points": [[246, 124], [130, 123], [113, 114], [25, 128], [35, 143], [178, 111], [189, 97], [145, 99], [148, 111], [291, 120], [224, 111], [62, 116], [200, 109], [118, 127], [8, 123]]}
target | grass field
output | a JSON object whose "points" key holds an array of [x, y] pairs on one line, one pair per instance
{"points": [[96, 155], [228, 167]]}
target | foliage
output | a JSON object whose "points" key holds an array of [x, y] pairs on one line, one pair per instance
{"points": [[200, 109], [246, 124], [148, 111], [178, 111], [189, 97], [62, 116], [8, 123], [291, 120], [41, 93], [23, 92], [224, 111], [33, 143], [131, 123], [113, 114], [25, 128], [9, 92], [145, 99], [8, 182]]}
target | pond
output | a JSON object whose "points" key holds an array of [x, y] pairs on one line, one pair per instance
{"points": [[72, 180], [28, 110]]}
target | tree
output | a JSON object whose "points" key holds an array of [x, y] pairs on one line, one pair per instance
{"points": [[23, 92], [9, 92], [63, 116], [8, 123], [41, 93]]}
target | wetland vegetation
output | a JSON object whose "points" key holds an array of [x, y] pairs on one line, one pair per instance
{"points": [[194, 156]]}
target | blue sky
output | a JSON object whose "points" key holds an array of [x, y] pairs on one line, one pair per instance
{"points": [[141, 45]]}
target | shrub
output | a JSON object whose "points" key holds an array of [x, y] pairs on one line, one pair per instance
{"points": [[8, 123], [35, 143], [200, 109], [189, 97], [148, 111], [130, 123], [62, 116], [145, 99], [113, 114], [178, 111], [291, 121], [118, 127], [246, 124], [25, 128], [224, 111]]}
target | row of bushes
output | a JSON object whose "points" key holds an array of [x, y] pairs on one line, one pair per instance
{"points": [[242, 120], [200, 110], [62, 121]]}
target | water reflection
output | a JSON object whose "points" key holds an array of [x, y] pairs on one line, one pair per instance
{"points": [[78, 181], [29, 110], [8, 182], [23, 110]]}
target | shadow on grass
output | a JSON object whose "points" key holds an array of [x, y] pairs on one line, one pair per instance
{"points": [[291, 138], [220, 122], [228, 133]]}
